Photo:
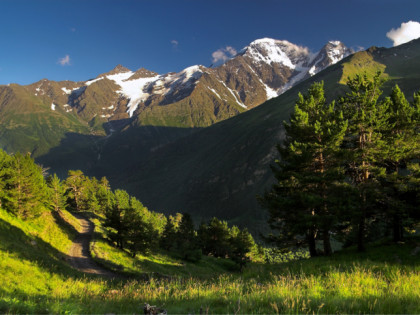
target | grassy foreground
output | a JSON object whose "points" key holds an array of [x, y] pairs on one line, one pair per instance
{"points": [[35, 278]]}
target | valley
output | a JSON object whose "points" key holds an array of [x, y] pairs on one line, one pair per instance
{"points": [[186, 157]]}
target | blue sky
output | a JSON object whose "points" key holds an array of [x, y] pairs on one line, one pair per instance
{"points": [[79, 39]]}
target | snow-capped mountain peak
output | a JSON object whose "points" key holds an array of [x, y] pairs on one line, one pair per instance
{"points": [[262, 70], [270, 51], [336, 51]]}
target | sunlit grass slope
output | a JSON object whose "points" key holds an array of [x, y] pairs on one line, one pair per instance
{"points": [[35, 278]]}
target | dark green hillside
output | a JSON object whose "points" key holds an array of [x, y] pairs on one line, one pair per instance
{"points": [[219, 170], [28, 123]]}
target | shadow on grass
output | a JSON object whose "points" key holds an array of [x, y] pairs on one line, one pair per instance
{"points": [[36, 250], [65, 226]]}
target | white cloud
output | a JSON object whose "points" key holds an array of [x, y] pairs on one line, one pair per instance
{"points": [[65, 61], [223, 54], [405, 33], [174, 43], [232, 51], [358, 48]]}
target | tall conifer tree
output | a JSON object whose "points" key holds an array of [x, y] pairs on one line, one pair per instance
{"points": [[298, 203], [365, 144]]}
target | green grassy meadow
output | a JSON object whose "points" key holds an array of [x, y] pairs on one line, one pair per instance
{"points": [[36, 278]]}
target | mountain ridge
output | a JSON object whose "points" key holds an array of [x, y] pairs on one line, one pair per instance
{"points": [[195, 97]]}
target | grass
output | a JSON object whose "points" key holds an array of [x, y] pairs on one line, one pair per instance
{"points": [[35, 278], [361, 62]]}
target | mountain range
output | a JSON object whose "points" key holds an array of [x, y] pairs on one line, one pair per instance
{"points": [[177, 140]]}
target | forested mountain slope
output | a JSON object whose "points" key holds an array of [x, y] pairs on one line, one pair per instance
{"points": [[219, 170]]}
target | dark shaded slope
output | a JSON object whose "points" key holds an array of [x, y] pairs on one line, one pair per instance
{"points": [[219, 170]]}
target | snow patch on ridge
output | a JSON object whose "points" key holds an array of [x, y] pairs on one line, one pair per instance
{"points": [[214, 91], [167, 84], [132, 89], [139, 90], [270, 92], [312, 71], [87, 83], [68, 91], [234, 95], [335, 42], [336, 53]]}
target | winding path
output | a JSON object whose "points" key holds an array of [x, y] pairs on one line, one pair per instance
{"points": [[79, 254]]}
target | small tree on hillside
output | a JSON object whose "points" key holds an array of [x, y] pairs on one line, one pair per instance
{"points": [[187, 240], [114, 217], [168, 236], [26, 190], [76, 189], [5, 174], [241, 245], [58, 200], [215, 238]]}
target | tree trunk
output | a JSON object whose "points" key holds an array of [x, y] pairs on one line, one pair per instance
{"points": [[311, 243], [327, 243]]}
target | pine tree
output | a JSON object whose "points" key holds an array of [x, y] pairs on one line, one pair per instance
{"points": [[25, 189], [365, 145], [215, 238], [76, 189], [168, 236], [58, 200], [403, 146], [104, 196], [142, 226], [5, 173], [299, 203], [187, 240], [114, 218], [241, 245]]}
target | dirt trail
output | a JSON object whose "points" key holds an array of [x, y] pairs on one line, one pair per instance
{"points": [[79, 253]]}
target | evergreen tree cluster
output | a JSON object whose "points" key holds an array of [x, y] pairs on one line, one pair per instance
{"points": [[348, 169], [212, 239], [27, 191], [219, 240], [23, 189]]}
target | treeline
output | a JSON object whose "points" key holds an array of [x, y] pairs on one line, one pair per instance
{"points": [[349, 169], [26, 190]]}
